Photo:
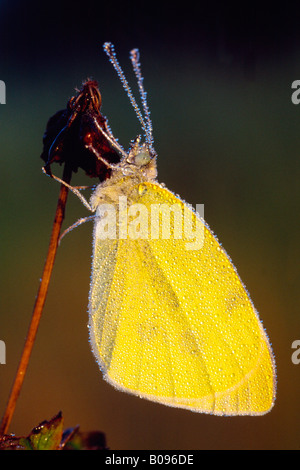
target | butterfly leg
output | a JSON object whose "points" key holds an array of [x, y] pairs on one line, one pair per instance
{"points": [[73, 189], [76, 224]]}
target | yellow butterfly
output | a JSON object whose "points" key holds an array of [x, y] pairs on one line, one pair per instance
{"points": [[169, 318]]}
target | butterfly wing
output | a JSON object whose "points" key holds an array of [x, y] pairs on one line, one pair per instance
{"points": [[176, 325]]}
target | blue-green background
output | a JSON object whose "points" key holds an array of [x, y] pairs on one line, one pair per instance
{"points": [[227, 134]]}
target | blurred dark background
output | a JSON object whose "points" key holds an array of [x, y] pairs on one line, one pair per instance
{"points": [[219, 80]]}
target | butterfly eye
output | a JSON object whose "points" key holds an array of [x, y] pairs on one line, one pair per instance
{"points": [[142, 158]]}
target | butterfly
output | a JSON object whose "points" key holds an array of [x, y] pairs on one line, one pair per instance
{"points": [[169, 317]]}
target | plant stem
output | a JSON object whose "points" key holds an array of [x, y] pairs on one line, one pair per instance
{"points": [[39, 303]]}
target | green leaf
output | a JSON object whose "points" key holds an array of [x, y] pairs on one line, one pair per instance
{"points": [[47, 435]]}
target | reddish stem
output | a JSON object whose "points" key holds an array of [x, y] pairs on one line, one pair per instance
{"points": [[39, 304]]}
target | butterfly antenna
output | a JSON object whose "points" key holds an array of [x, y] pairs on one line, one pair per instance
{"points": [[135, 60], [110, 51]]}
